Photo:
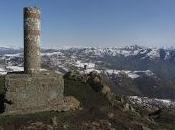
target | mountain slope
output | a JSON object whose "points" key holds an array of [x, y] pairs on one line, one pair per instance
{"points": [[96, 112]]}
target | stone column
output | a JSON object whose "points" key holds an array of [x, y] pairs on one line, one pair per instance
{"points": [[31, 40]]}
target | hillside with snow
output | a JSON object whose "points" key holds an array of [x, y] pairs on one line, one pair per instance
{"points": [[132, 70], [152, 103]]}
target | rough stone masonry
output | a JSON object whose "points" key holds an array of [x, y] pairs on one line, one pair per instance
{"points": [[31, 40], [32, 90]]}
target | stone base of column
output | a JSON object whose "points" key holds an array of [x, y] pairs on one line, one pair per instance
{"points": [[28, 93]]}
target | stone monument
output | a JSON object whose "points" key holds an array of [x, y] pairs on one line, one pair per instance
{"points": [[31, 40], [33, 90]]}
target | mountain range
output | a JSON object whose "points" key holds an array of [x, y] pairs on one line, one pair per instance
{"points": [[131, 70]]}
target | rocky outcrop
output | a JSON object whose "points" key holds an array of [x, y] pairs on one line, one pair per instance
{"points": [[71, 103], [98, 83]]}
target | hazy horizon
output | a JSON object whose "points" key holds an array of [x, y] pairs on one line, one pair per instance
{"points": [[97, 23]]}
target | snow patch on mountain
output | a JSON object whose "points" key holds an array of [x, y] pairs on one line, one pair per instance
{"points": [[52, 53], [153, 53], [152, 102], [13, 55], [82, 65], [167, 56], [147, 72], [131, 74], [3, 71], [15, 68]]}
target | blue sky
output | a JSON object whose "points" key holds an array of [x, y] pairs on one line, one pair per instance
{"points": [[99, 23]]}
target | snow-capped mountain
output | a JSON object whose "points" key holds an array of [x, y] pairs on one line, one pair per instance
{"points": [[133, 70], [128, 51], [141, 52], [6, 50], [130, 59]]}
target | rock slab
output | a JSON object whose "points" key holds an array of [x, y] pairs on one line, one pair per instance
{"points": [[32, 93]]}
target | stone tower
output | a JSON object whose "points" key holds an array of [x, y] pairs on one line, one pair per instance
{"points": [[31, 40]]}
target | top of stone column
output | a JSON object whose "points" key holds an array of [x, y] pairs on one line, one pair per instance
{"points": [[32, 9], [32, 12]]}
